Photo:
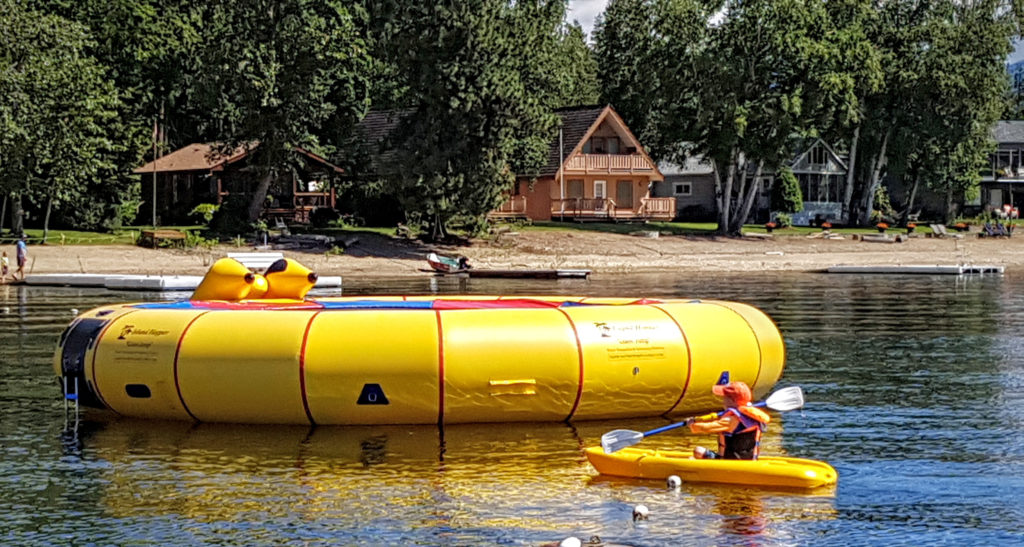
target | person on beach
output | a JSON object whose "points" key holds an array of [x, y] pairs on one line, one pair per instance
{"points": [[5, 266], [739, 427], [22, 257]]}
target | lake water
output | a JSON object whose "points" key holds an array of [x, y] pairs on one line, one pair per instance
{"points": [[915, 389]]}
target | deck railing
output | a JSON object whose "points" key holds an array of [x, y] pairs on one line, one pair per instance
{"points": [[659, 208], [608, 163], [515, 206]]}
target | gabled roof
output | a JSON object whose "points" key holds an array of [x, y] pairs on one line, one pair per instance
{"points": [[203, 157], [194, 157], [816, 142], [1008, 132], [576, 123]]}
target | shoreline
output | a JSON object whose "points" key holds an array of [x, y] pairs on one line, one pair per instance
{"points": [[603, 253]]}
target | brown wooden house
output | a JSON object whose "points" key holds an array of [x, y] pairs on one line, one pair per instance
{"points": [[596, 170], [197, 174]]}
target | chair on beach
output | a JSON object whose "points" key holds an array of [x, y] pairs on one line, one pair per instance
{"points": [[940, 231]]}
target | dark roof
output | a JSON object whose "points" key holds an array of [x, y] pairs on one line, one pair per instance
{"points": [[205, 157], [378, 125], [575, 122], [1008, 131], [374, 131]]}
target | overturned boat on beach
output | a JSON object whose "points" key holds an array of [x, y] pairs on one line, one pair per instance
{"points": [[252, 348]]}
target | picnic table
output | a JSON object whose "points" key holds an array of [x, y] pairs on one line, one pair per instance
{"points": [[152, 238]]}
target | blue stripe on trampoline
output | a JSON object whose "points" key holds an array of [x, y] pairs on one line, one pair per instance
{"points": [[179, 305], [378, 305]]}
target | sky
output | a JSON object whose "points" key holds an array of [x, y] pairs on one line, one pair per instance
{"points": [[585, 11]]}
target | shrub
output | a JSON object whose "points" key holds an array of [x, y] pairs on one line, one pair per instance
{"points": [[784, 220], [786, 195], [204, 210]]}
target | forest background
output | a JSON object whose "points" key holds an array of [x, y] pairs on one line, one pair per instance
{"points": [[908, 89]]}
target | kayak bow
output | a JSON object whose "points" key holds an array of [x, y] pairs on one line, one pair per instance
{"points": [[660, 464]]}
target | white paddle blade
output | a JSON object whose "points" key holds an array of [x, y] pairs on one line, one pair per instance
{"points": [[787, 398], [613, 441]]}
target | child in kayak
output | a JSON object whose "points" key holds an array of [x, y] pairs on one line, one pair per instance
{"points": [[739, 427]]}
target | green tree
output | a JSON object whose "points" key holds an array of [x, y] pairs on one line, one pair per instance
{"points": [[624, 46], [272, 75], [480, 80], [55, 128], [145, 47]]}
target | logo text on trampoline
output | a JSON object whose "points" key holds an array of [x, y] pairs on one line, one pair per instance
{"points": [[130, 329]]}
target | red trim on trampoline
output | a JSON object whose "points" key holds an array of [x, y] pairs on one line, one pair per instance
{"points": [[302, 369], [177, 352], [488, 304], [440, 370], [689, 359], [95, 348], [579, 352]]}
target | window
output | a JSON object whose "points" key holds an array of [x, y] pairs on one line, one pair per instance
{"points": [[613, 145], [597, 145], [682, 189], [818, 156], [574, 189], [599, 189]]}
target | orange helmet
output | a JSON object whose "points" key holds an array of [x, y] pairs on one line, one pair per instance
{"points": [[737, 391]]}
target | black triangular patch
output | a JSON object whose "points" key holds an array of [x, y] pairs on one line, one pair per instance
{"points": [[372, 395]]}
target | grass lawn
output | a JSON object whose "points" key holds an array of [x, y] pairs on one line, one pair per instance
{"points": [[126, 236]]}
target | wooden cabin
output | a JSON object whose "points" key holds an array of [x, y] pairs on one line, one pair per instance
{"points": [[596, 170], [198, 173]]}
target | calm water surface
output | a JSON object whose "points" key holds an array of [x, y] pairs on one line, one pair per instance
{"points": [[915, 389]]}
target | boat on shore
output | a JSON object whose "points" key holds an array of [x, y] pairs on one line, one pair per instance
{"points": [[444, 265], [769, 471]]}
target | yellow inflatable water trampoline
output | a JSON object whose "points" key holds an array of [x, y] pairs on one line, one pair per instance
{"points": [[226, 355]]}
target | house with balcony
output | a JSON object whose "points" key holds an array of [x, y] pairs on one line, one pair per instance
{"points": [[201, 173], [596, 170], [1002, 184]]}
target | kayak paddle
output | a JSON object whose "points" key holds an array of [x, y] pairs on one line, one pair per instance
{"points": [[787, 398]]}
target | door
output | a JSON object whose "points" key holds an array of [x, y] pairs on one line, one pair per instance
{"points": [[624, 194]]}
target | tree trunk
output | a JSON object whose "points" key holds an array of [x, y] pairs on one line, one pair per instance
{"points": [[949, 206], [851, 165], [259, 196], [911, 197], [867, 201], [724, 192], [46, 219], [3, 215], [748, 200], [17, 217]]}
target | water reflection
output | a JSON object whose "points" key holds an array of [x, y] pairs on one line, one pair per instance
{"points": [[914, 385]]}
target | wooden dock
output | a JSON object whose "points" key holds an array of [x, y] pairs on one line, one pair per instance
{"points": [[918, 269], [140, 282]]}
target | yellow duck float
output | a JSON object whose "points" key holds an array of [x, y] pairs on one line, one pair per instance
{"points": [[250, 347]]}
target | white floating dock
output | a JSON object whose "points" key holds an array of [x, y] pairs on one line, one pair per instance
{"points": [[918, 269], [141, 282]]}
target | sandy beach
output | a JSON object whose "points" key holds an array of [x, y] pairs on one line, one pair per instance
{"points": [[603, 253]]}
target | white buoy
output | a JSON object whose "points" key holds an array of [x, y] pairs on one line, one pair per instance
{"points": [[640, 512], [571, 542], [674, 481]]}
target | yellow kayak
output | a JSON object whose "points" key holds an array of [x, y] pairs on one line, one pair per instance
{"points": [[660, 464]]}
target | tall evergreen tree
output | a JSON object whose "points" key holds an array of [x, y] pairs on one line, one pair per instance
{"points": [[275, 74], [480, 80]]}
